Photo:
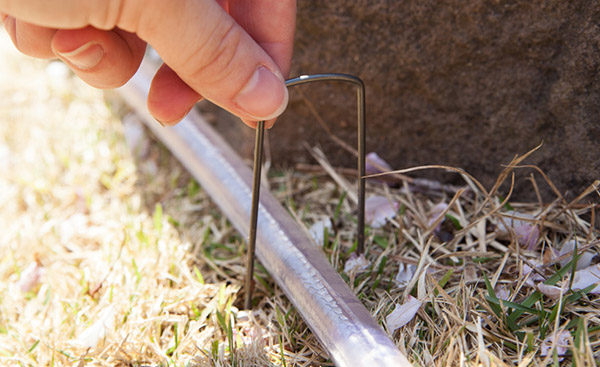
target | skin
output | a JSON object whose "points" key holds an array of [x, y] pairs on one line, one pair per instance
{"points": [[211, 49]]}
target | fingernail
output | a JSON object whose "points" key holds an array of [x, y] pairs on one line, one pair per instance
{"points": [[176, 120], [270, 123], [85, 57], [264, 97]]}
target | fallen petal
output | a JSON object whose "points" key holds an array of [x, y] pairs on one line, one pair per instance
{"points": [[526, 231], [584, 260], [527, 235], [374, 164], [551, 291], [405, 273], [436, 211], [356, 264], [403, 314], [587, 277], [531, 277], [515, 217], [30, 277], [317, 230], [92, 335], [378, 210], [560, 341], [441, 230], [502, 292]]}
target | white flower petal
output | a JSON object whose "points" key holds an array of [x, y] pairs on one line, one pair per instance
{"points": [[502, 292], [526, 231], [551, 291], [436, 211], [560, 341], [98, 330], [317, 230], [527, 235], [586, 277], [531, 277], [378, 210], [584, 260], [30, 277], [356, 264], [507, 223], [405, 273], [374, 164], [403, 314]]}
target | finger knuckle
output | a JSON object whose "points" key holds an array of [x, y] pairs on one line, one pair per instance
{"points": [[219, 54], [107, 14]]}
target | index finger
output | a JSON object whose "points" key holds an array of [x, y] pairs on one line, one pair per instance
{"points": [[271, 23]]}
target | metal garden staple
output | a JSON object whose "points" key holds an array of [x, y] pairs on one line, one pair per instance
{"points": [[258, 153]]}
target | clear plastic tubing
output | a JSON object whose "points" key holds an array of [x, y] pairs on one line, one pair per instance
{"points": [[334, 314]]}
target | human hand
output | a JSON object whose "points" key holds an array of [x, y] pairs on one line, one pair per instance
{"points": [[234, 53]]}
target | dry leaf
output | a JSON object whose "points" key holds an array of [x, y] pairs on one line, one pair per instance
{"points": [[378, 210], [403, 314]]}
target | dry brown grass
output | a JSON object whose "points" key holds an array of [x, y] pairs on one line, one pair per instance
{"points": [[132, 240], [93, 232], [464, 266]]}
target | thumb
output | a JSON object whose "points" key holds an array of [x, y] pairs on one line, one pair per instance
{"points": [[215, 57]]}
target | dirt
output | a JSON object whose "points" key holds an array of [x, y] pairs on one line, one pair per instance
{"points": [[462, 83]]}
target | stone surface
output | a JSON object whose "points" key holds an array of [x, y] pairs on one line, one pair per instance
{"points": [[468, 83]]}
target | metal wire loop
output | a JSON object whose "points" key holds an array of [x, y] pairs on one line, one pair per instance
{"points": [[258, 153]]}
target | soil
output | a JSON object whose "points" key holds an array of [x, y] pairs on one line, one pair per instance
{"points": [[462, 83]]}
